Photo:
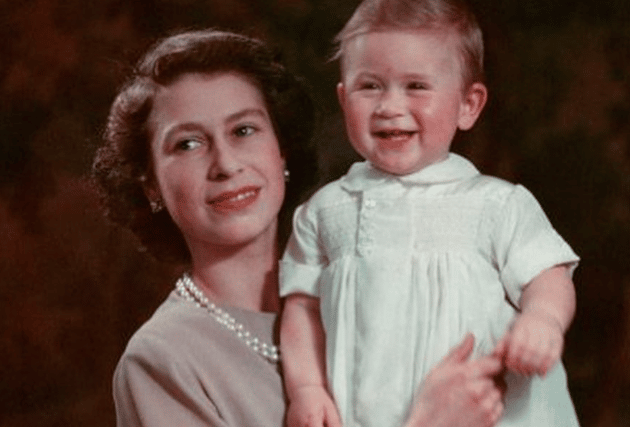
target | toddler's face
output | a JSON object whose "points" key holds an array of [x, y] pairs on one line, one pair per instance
{"points": [[402, 98]]}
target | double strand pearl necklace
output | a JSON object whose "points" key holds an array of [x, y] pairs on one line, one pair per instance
{"points": [[187, 289]]}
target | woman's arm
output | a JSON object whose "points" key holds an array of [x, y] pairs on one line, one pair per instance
{"points": [[302, 343], [459, 392]]}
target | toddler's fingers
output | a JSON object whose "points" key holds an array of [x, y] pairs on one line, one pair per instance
{"points": [[513, 355], [311, 422], [485, 367], [501, 348], [331, 418], [519, 361], [481, 389], [545, 360], [546, 356], [534, 360], [550, 361]]}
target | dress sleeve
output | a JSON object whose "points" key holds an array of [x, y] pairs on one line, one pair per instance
{"points": [[153, 389], [526, 243], [303, 260]]}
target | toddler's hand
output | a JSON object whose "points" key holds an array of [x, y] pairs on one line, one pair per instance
{"points": [[312, 406], [533, 345]]}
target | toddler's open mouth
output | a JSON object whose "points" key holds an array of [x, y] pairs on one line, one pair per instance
{"points": [[393, 134]]}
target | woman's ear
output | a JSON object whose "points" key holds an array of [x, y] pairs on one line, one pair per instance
{"points": [[150, 188], [152, 192], [472, 104]]}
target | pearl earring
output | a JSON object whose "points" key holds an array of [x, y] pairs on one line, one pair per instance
{"points": [[287, 175], [156, 205]]}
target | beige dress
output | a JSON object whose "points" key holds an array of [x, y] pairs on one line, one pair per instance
{"points": [[182, 368]]}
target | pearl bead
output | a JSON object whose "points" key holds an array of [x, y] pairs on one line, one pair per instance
{"points": [[187, 289]]}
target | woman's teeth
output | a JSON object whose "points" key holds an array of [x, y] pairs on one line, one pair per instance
{"points": [[243, 196]]}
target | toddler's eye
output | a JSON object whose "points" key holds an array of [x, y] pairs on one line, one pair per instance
{"points": [[417, 86], [368, 86], [187, 144], [244, 130]]}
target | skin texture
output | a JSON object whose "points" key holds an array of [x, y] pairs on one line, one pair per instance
{"points": [[403, 100]]}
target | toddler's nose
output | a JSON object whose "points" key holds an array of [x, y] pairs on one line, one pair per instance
{"points": [[391, 104]]}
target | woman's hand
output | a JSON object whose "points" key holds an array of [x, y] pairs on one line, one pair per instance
{"points": [[312, 406], [458, 392]]}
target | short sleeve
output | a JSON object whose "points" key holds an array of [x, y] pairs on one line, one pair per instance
{"points": [[303, 259], [152, 389], [526, 243]]}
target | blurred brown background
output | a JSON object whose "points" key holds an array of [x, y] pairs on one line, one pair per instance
{"points": [[73, 288]]}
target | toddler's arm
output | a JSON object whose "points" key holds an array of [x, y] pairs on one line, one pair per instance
{"points": [[302, 343], [535, 341]]}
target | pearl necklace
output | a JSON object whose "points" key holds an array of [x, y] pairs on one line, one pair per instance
{"points": [[188, 290]]}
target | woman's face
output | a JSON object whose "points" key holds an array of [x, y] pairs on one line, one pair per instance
{"points": [[216, 160]]}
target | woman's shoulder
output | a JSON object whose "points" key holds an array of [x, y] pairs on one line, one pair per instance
{"points": [[179, 329], [157, 355], [183, 364], [162, 332], [172, 343]]}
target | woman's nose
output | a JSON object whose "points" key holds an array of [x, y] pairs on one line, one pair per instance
{"points": [[391, 104], [224, 162]]}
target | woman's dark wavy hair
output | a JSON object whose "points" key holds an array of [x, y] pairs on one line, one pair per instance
{"points": [[124, 160]]}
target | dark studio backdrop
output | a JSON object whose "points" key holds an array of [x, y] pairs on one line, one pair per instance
{"points": [[74, 288]]}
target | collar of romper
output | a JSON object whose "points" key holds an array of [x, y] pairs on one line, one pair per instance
{"points": [[363, 176]]}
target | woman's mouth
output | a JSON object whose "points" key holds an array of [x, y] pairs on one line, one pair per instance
{"points": [[232, 201]]}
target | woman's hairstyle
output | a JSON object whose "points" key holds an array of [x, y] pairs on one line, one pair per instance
{"points": [[123, 162], [385, 15]]}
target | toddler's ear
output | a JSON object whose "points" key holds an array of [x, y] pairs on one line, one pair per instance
{"points": [[341, 95], [472, 104]]}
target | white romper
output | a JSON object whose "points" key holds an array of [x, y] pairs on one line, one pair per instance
{"points": [[405, 266]]}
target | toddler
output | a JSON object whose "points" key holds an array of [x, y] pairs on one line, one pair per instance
{"points": [[395, 262]]}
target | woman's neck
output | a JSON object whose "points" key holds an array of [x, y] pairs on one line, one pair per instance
{"points": [[244, 277]]}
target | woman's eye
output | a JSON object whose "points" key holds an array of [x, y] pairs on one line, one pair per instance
{"points": [[244, 130], [187, 144]]}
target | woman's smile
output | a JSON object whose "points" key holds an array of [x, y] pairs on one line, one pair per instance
{"points": [[233, 201]]}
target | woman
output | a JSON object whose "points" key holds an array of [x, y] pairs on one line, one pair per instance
{"points": [[204, 156]]}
